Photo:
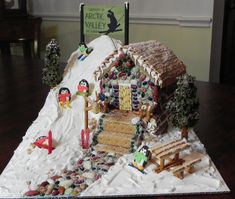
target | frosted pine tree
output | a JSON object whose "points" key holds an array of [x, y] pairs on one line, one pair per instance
{"points": [[183, 108], [50, 72]]}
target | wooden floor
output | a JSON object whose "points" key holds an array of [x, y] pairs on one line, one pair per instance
{"points": [[22, 95]]}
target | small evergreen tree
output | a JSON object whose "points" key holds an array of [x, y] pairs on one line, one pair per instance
{"points": [[183, 108], [50, 72]]}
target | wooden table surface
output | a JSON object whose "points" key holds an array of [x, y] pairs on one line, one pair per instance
{"points": [[22, 95]]}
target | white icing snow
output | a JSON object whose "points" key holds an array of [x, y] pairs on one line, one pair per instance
{"points": [[122, 179], [66, 125]]}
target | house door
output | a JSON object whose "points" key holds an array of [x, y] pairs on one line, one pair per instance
{"points": [[125, 97]]}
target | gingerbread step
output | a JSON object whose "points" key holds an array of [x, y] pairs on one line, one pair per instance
{"points": [[120, 127], [113, 149], [115, 139]]}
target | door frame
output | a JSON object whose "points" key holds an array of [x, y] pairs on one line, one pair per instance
{"points": [[217, 41]]}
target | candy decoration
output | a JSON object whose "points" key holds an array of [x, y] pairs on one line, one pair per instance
{"points": [[128, 64], [55, 192], [100, 85], [41, 142], [61, 190], [121, 55], [155, 97], [82, 138], [86, 171], [116, 63], [32, 193], [85, 137]]}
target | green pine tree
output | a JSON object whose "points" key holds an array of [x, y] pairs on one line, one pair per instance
{"points": [[50, 72], [183, 108]]}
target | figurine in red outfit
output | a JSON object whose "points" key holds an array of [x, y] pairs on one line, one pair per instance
{"points": [[83, 88], [64, 97]]}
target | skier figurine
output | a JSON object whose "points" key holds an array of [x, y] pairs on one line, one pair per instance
{"points": [[85, 51], [64, 97], [141, 158]]}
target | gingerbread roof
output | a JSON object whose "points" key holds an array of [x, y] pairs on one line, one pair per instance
{"points": [[159, 62]]}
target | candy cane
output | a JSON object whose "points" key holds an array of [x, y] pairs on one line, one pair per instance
{"points": [[50, 142]]}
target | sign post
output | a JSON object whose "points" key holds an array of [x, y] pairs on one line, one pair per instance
{"points": [[104, 19], [82, 36], [126, 23]]}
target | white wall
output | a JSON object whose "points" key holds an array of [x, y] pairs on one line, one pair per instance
{"points": [[182, 25], [171, 12]]}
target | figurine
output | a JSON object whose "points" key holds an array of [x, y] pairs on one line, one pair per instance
{"points": [[64, 97], [85, 51], [83, 88], [141, 158]]}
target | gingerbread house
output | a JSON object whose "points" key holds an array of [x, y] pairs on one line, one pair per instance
{"points": [[140, 76]]}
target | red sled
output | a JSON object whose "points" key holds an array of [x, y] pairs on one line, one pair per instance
{"points": [[40, 142], [85, 136]]}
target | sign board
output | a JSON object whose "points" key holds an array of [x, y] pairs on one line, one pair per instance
{"points": [[104, 19]]}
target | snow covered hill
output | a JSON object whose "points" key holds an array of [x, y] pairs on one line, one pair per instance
{"points": [[65, 126]]}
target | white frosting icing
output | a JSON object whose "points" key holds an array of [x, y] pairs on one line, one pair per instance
{"points": [[149, 70], [123, 179], [66, 126], [140, 61], [135, 58], [135, 120], [125, 50]]}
